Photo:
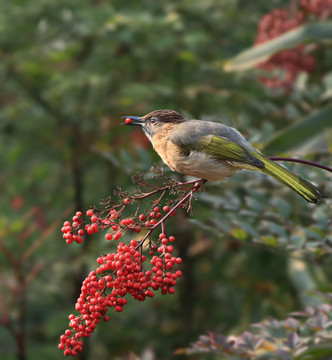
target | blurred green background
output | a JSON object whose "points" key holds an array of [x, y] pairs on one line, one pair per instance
{"points": [[69, 70]]}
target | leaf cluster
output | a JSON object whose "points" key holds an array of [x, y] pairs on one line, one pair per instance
{"points": [[304, 335]]}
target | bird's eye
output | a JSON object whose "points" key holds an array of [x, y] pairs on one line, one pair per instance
{"points": [[153, 121]]}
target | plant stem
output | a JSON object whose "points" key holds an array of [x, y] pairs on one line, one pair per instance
{"points": [[197, 185]]}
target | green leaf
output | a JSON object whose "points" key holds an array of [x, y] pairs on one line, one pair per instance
{"points": [[320, 352], [239, 234], [296, 135], [275, 228], [247, 228], [254, 204], [327, 81], [269, 240], [257, 54], [284, 207]]}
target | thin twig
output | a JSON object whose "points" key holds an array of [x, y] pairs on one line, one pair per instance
{"points": [[305, 162], [185, 197]]}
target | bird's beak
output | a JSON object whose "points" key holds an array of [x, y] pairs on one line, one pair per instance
{"points": [[135, 120]]}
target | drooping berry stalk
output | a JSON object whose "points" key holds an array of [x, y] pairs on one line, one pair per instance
{"points": [[126, 272]]}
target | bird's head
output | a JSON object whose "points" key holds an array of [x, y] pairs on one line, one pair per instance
{"points": [[155, 122]]}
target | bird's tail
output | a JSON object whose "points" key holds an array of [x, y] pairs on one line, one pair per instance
{"points": [[303, 187]]}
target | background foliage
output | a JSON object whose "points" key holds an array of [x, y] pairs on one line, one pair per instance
{"points": [[68, 71]]}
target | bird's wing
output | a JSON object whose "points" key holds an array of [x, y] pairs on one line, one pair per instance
{"points": [[225, 149], [217, 140]]}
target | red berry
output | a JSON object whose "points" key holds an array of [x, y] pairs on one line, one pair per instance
{"points": [[178, 273], [89, 230], [79, 240], [117, 235], [127, 201], [166, 208], [109, 237], [133, 242], [142, 217], [89, 212], [95, 227], [128, 120], [67, 352], [169, 249]]}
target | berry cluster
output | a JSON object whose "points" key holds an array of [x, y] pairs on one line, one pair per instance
{"points": [[112, 221], [119, 274], [71, 231], [293, 61], [75, 230], [321, 8], [124, 272]]}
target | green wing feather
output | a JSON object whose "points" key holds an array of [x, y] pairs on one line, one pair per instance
{"points": [[224, 149]]}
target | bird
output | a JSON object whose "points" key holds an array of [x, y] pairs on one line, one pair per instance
{"points": [[212, 151]]}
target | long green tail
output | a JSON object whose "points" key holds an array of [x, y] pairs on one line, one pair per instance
{"points": [[303, 187]]}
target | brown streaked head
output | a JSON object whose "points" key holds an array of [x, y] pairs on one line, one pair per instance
{"points": [[155, 121], [170, 116]]}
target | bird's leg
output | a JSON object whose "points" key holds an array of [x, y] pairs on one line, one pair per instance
{"points": [[199, 182]]}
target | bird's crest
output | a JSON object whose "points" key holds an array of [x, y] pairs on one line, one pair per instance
{"points": [[166, 116]]}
